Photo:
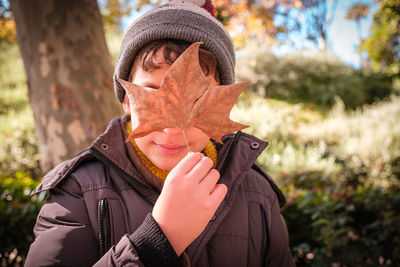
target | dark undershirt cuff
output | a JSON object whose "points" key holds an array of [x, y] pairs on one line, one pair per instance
{"points": [[153, 246]]}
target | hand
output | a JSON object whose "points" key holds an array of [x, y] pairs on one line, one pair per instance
{"points": [[188, 200]]}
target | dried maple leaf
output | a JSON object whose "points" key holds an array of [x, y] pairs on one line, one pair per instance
{"points": [[185, 99]]}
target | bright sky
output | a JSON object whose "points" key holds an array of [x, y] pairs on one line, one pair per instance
{"points": [[344, 35]]}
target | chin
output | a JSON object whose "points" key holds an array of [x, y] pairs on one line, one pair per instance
{"points": [[166, 166], [168, 163]]}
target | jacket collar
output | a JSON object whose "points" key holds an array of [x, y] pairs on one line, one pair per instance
{"points": [[237, 155], [111, 145]]}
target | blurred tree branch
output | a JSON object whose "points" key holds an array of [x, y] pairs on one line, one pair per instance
{"points": [[318, 18], [357, 12]]}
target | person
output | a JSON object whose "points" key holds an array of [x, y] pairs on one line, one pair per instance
{"points": [[149, 202]]}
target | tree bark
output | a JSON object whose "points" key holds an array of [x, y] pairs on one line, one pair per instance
{"points": [[69, 72]]}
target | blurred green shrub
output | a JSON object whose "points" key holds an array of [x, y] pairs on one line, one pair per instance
{"points": [[337, 149], [309, 77], [334, 229], [18, 213], [341, 172], [19, 151]]}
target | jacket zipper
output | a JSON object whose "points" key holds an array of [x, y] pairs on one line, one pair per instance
{"points": [[222, 170], [105, 227], [105, 220], [128, 178]]}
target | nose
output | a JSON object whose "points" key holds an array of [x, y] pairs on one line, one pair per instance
{"points": [[172, 131]]}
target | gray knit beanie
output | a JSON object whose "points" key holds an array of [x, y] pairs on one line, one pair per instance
{"points": [[185, 20]]}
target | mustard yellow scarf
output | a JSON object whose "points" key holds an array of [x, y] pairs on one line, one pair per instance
{"points": [[209, 150]]}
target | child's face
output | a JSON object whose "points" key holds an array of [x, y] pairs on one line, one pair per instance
{"points": [[168, 147]]}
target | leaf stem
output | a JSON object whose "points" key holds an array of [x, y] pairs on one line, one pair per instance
{"points": [[187, 144]]}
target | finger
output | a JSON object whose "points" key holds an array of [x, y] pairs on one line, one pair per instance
{"points": [[201, 169], [217, 195], [187, 163], [210, 180]]}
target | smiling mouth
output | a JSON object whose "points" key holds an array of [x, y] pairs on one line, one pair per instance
{"points": [[170, 149]]}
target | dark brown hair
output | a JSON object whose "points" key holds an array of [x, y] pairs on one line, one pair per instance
{"points": [[148, 61]]}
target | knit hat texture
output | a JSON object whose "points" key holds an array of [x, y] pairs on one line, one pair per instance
{"points": [[186, 20]]}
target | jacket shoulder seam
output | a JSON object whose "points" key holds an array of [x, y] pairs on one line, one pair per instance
{"points": [[61, 171]]}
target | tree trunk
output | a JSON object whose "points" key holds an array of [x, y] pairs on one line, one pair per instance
{"points": [[69, 72]]}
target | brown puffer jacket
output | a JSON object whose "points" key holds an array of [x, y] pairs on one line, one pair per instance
{"points": [[98, 206]]}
